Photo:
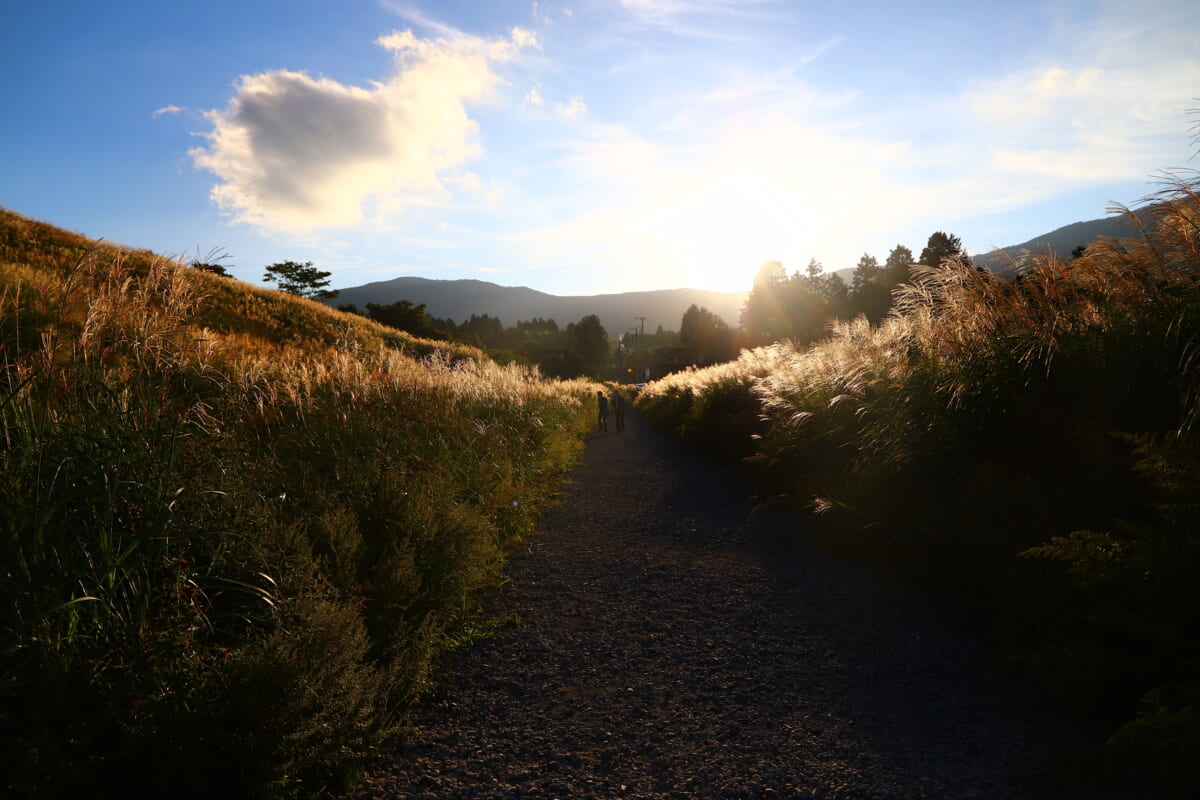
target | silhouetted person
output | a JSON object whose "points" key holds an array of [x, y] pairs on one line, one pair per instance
{"points": [[603, 402], [618, 404]]}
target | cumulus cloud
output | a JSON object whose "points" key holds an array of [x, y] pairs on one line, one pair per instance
{"points": [[294, 152]]}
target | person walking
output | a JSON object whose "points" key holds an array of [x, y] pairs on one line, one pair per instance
{"points": [[602, 401], [618, 405]]}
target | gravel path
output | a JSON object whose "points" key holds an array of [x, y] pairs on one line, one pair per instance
{"points": [[668, 647]]}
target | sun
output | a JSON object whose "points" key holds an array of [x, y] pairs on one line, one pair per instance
{"points": [[728, 227]]}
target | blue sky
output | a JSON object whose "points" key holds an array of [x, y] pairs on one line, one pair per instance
{"points": [[586, 146]]}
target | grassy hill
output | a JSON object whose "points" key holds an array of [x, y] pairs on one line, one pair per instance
{"points": [[239, 529]]}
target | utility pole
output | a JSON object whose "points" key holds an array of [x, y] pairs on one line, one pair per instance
{"points": [[642, 342]]}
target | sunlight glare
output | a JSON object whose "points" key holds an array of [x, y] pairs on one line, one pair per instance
{"points": [[728, 228]]}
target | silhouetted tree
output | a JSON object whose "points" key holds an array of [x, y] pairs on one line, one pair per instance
{"points": [[405, 316], [898, 267], [301, 279], [483, 331], [706, 337], [588, 338], [870, 292], [940, 247], [765, 314], [558, 362]]}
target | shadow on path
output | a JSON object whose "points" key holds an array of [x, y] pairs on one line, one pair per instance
{"points": [[667, 646]]}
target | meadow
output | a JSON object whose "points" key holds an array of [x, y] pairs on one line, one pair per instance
{"points": [[239, 530], [1028, 446]]}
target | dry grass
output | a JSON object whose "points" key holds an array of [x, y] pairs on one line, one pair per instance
{"points": [[241, 526], [1030, 441]]}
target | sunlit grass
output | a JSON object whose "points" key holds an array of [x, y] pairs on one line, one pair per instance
{"points": [[238, 527], [1030, 442]]}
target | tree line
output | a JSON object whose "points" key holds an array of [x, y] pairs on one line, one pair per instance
{"points": [[799, 306]]}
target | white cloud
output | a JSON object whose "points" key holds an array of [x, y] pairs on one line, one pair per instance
{"points": [[572, 110], [666, 11], [294, 152], [534, 97], [172, 109], [1101, 111], [416, 16], [524, 38], [825, 47]]}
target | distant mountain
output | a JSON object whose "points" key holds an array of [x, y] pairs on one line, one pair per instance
{"points": [[1062, 241], [457, 300]]}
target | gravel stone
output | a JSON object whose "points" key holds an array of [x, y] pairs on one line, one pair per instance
{"points": [[669, 645]]}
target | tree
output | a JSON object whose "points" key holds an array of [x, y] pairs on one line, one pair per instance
{"points": [[871, 289], [866, 273], [301, 279], [942, 246], [764, 315], [590, 340], [483, 331], [559, 362], [706, 337], [898, 267], [404, 316]]}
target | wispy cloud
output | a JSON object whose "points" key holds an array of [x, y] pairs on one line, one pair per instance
{"points": [[415, 16], [1100, 116], [571, 110], [294, 152], [666, 10], [534, 97], [165, 110], [824, 48]]}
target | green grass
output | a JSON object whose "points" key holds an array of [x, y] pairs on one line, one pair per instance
{"points": [[239, 529]]}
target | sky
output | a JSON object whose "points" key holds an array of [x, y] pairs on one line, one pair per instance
{"points": [[586, 146]]}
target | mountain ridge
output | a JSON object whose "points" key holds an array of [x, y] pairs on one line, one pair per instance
{"points": [[1062, 240], [458, 299]]}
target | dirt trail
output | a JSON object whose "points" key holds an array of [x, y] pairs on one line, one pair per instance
{"points": [[668, 647]]}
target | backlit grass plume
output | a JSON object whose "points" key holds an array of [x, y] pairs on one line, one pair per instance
{"points": [[238, 528]]}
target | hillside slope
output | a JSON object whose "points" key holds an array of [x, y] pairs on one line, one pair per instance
{"points": [[238, 529], [1060, 240]]}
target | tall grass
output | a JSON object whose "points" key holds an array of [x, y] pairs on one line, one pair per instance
{"points": [[233, 552], [1033, 440]]}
